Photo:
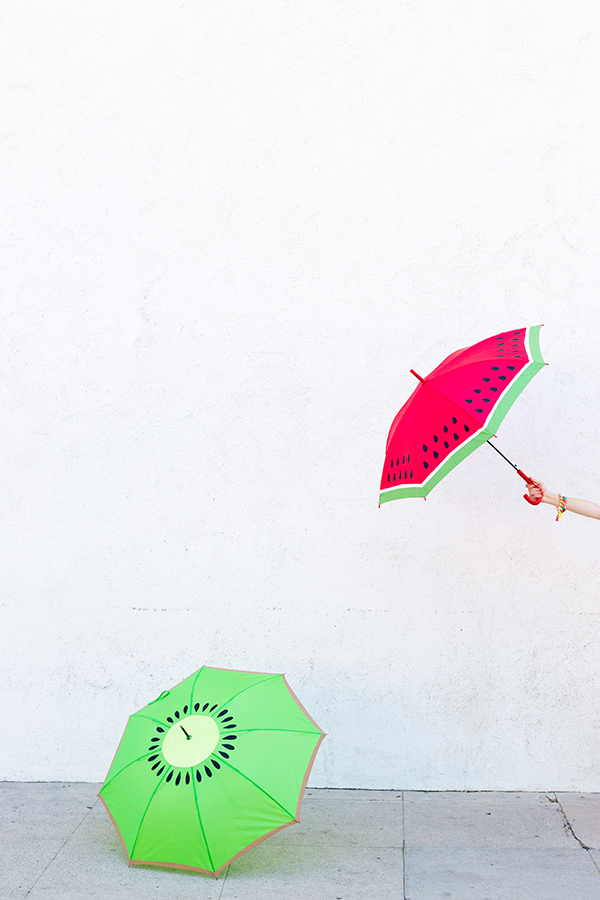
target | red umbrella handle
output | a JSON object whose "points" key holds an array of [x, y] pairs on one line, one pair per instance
{"points": [[530, 481]]}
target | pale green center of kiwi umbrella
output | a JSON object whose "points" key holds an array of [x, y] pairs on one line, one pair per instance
{"points": [[190, 740]]}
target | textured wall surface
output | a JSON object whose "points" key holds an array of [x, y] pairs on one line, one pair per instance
{"points": [[229, 230]]}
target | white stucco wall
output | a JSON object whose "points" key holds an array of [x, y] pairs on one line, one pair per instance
{"points": [[229, 231]]}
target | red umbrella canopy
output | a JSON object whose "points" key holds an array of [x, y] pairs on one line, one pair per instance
{"points": [[455, 409]]}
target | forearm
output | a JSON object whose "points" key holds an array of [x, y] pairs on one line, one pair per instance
{"points": [[581, 507]]}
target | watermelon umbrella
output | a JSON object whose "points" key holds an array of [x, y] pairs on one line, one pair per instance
{"points": [[209, 769], [455, 409]]}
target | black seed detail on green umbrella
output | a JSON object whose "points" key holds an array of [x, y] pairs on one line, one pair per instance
{"points": [[425, 464], [198, 776], [160, 771], [446, 444], [187, 777], [208, 772], [212, 709], [235, 726], [155, 739], [229, 746], [228, 719], [156, 765], [466, 427], [176, 715], [185, 709], [223, 754], [196, 707], [232, 737], [216, 764], [152, 758], [169, 719], [178, 779], [205, 707], [222, 713], [160, 729], [169, 776]]}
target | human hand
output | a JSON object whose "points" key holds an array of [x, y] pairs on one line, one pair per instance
{"points": [[537, 490]]}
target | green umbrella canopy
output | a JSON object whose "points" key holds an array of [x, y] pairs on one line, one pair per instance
{"points": [[209, 769]]}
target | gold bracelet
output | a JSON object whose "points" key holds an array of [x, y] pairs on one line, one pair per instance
{"points": [[561, 507]]}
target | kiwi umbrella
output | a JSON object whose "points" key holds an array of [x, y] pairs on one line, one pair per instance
{"points": [[209, 769], [456, 409]]}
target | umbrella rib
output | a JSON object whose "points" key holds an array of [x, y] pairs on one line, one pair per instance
{"points": [[247, 688], [259, 788], [145, 814], [212, 864], [131, 763]]}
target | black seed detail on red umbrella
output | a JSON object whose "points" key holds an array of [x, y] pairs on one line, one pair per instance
{"points": [[435, 438], [495, 368], [512, 368], [454, 420], [455, 437], [388, 476], [178, 779], [208, 772], [169, 776], [411, 474], [398, 461], [476, 391], [198, 775], [391, 463], [486, 399], [436, 454], [479, 410], [502, 377], [487, 379], [493, 389], [425, 464], [466, 427], [406, 476], [468, 401], [399, 476], [196, 707], [394, 476], [446, 428], [424, 448], [403, 460], [187, 777], [446, 444]]}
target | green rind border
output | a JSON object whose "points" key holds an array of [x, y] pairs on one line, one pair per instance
{"points": [[489, 429]]}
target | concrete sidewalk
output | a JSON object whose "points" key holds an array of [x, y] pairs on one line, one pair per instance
{"points": [[57, 842]]}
